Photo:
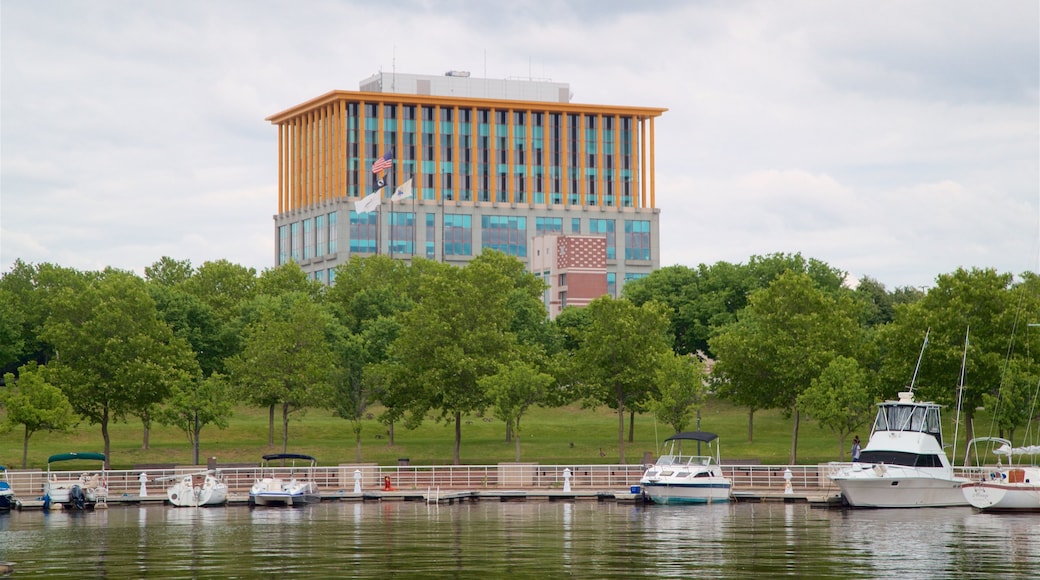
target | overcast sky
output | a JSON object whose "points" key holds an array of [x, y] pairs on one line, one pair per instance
{"points": [[894, 139]]}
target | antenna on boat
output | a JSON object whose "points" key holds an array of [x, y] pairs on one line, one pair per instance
{"points": [[960, 393], [913, 379]]}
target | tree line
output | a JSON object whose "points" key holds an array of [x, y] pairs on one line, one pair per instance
{"points": [[183, 345]]}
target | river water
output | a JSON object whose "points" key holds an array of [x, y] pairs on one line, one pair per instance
{"points": [[521, 540]]}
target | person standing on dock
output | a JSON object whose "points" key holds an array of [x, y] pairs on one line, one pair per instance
{"points": [[855, 448]]}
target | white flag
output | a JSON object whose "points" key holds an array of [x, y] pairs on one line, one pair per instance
{"points": [[369, 203], [403, 192]]}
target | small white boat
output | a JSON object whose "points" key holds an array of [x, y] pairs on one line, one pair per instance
{"points": [[79, 490], [689, 478], [272, 489], [903, 464], [7, 499], [196, 490], [1005, 488]]}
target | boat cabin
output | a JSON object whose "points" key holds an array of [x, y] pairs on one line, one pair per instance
{"points": [[907, 416]]}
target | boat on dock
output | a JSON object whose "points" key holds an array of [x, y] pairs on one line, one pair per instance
{"points": [[687, 478], [77, 490], [7, 499], [199, 489], [1005, 488], [272, 489], [904, 463]]}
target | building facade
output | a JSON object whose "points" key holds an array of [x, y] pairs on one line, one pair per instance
{"points": [[491, 164]]}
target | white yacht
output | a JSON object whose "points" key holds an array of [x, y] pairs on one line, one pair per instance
{"points": [[903, 464], [687, 478]]}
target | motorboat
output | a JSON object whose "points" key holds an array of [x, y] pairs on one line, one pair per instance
{"points": [[1005, 488], [678, 477], [281, 486], [7, 499], [196, 490], [79, 490], [904, 463]]}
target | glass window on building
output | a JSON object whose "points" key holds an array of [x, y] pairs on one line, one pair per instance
{"points": [[575, 225], [612, 284], [633, 276], [319, 275], [431, 236], [308, 239], [297, 241], [600, 226], [548, 225], [331, 276], [364, 231], [321, 236], [637, 239], [333, 233], [402, 233], [506, 234], [458, 235], [283, 244]]}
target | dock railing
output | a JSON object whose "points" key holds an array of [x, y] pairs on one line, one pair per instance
{"points": [[28, 484]]}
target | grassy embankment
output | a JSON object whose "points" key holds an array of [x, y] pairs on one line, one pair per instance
{"points": [[569, 435]]}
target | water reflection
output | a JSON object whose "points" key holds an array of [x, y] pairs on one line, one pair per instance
{"points": [[537, 539]]}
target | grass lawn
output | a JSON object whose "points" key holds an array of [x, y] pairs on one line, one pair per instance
{"points": [[567, 435]]}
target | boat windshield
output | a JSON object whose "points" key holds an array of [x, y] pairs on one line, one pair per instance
{"points": [[912, 418], [900, 458]]}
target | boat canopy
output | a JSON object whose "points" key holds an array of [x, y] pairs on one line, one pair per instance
{"points": [[277, 456], [694, 436], [85, 455]]}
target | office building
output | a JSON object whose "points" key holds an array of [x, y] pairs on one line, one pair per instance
{"points": [[489, 163]]}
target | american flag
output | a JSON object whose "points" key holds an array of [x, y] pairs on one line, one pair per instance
{"points": [[383, 163]]}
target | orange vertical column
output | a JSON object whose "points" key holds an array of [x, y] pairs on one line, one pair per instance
{"points": [[642, 162], [511, 155], [582, 160], [437, 151], [529, 157], [281, 168], [456, 164], [653, 165], [362, 148], [565, 181], [599, 160]]}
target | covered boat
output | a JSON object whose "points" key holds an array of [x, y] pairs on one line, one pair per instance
{"points": [[679, 477], [79, 490], [275, 487], [7, 499]]}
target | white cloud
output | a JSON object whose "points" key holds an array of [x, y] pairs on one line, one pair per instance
{"points": [[891, 139]]}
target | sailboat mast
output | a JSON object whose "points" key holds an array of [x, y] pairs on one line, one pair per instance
{"points": [[913, 379]]}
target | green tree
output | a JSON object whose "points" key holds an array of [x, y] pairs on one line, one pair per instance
{"points": [[368, 295], [680, 390], [619, 355], [169, 272], [456, 334], [787, 335], [512, 390], [195, 404], [114, 354], [287, 358], [967, 310], [839, 399], [35, 404]]}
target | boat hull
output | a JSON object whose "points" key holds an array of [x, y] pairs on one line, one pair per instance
{"points": [[879, 486], [212, 493], [666, 493], [7, 501], [1006, 492], [283, 499]]}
